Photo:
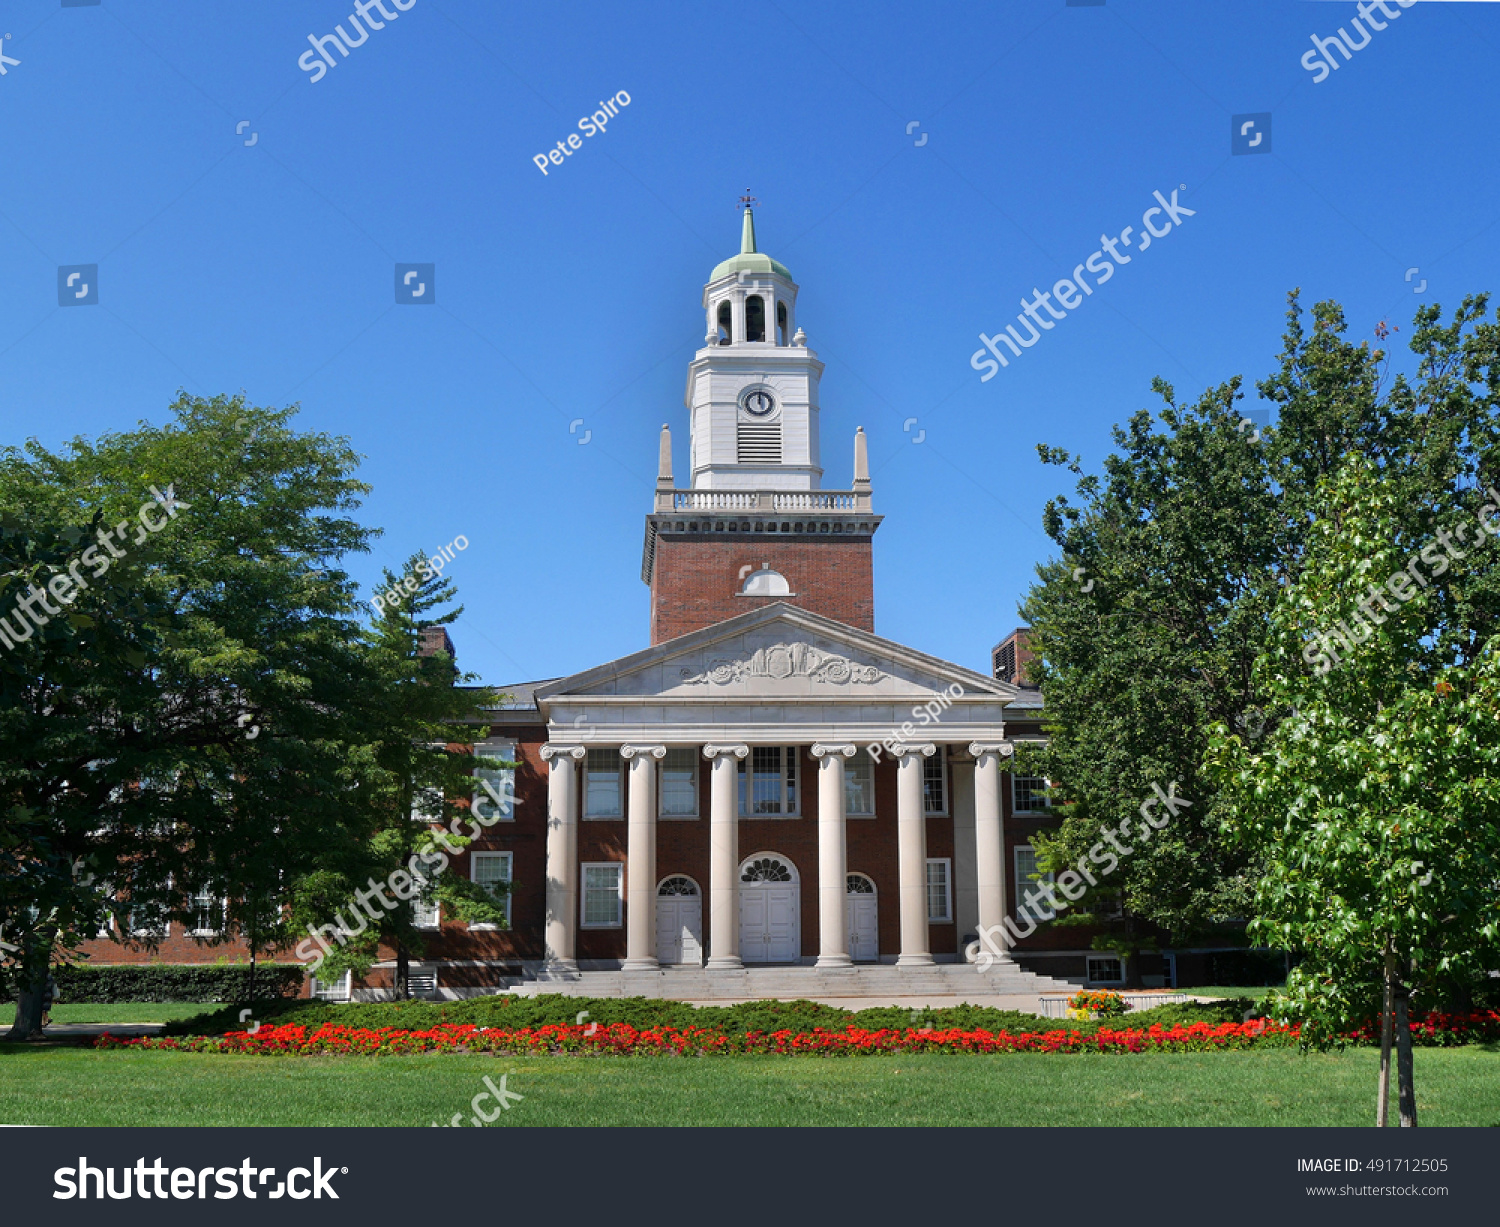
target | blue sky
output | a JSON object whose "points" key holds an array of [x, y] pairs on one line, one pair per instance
{"points": [[269, 268]]}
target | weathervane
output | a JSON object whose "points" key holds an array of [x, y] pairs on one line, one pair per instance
{"points": [[747, 200]]}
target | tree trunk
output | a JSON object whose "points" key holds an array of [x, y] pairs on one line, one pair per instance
{"points": [[1406, 1088], [250, 979], [403, 966], [1382, 1107], [31, 984]]}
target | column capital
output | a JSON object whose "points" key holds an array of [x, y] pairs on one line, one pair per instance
{"points": [[1003, 748], [901, 749], [821, 749], [714, 751], [550, 751], [629, 752]]}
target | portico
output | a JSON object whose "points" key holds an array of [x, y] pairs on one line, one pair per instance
{"points": [[765, 701]]}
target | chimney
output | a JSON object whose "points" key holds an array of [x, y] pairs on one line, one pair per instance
{"points": [[434, 639], [1009, 658]]}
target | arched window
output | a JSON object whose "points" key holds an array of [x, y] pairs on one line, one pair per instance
{"points": [[677, 885], [781, 323], [755, 318], [858, 884], [726, 323], [766, 869], [766, 582]]}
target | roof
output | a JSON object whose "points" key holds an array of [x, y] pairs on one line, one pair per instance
{"points": [[749, 260]]}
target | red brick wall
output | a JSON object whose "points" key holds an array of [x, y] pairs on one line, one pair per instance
{"points": [[696, 579]]}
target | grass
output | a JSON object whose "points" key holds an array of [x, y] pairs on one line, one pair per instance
{"points": [[121, 1012], [1254, 992], [77, 1086]]}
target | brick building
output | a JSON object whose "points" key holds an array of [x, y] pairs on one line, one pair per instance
{"points": [[768, 783]]}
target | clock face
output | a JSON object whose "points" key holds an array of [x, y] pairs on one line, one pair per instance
{"points": [[758, 403]]}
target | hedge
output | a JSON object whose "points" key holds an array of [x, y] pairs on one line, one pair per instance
{"points": [[166, 982]]}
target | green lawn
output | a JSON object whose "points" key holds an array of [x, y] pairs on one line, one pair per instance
{"points": [[72, 1086], [126, 1012], [1254, 992]]}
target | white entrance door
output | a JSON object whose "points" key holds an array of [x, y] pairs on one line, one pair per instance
{"points": [[679, 923], [862, 918], [769, 912]]}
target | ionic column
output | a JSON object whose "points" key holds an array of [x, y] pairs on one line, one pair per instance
{"points": [[562, 859], [833, 860], [911, 836], [989, 844], [724, 857], [640, 858]]}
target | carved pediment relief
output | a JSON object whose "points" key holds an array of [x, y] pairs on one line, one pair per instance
{"points": [[779, 661]]}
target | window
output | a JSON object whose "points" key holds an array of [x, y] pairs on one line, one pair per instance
{"points": [[768, 781], [1027, 877], [495, 783], [766, 582], [781, 323], [935, 783], [859, 784], [602, 903], [1027, 794], [336, 990], [939, 894], [679, 784], [755, 318], [1106, 969], [208, 914], [426, 912], [491, 870], [603, 784], [148, 918], [426, 805], [726, 324]]}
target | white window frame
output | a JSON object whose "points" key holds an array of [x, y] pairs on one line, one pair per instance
{"points": [[1024, 883], [342, 990], [504, 782], [1088, 965], [203, 900], [937, 766], [583, 895], [1015, 798], [509, 859], [863, 759], [691, 754], [790, 786], [136, 930], [947, 885], [620, 785], [421, 877]]}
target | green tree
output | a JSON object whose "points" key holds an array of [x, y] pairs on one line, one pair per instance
{"points": [[418, 769], [1149, 623], [1374, 804], [207, 599]]}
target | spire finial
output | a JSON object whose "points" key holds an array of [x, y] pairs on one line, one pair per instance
{"points": [[747, 235]]}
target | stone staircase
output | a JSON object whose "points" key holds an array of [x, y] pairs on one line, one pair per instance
{"points": [[958, 981]]}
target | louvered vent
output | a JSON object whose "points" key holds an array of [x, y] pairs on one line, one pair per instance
{"points": [[759, 443]]}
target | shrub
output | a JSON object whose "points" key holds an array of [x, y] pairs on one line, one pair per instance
{"points": [[166, 982]]}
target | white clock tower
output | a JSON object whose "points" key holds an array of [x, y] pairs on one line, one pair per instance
{"points": [[752, 391]]}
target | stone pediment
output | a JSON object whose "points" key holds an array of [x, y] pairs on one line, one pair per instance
{"points": [[779, 652]]}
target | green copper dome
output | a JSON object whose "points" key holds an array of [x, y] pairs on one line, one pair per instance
{"points": [[749, 260]]}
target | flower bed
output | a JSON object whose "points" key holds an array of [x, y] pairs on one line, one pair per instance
{"points": [[622, 1039]]}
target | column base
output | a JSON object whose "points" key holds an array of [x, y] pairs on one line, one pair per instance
{"points": [[834, 960], [648, 964], [915, 960], [558, 969], [728, 962]]}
